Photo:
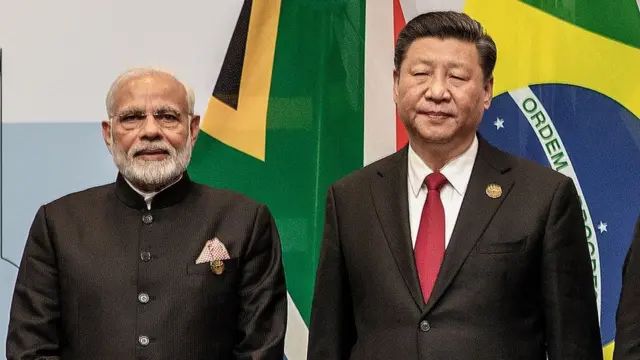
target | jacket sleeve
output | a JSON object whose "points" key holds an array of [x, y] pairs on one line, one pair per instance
{"points": [[332, 330], [570, 308], [627, 342], [34, 321], [263, 310]]}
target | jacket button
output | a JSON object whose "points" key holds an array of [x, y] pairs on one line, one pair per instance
{"points": [[145, 256], [425, 326], [147, 218], [143, 298], [143, 340]]}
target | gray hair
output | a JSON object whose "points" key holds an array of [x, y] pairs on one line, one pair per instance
{"points": [[145, 71]]}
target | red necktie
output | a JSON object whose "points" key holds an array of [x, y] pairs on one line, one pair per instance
{"points": [[429, 249]]}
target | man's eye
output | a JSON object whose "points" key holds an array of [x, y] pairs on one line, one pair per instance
{"points": [[128, 118], [167, 117], [459, 75]]}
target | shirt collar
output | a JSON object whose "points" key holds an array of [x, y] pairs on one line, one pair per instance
{"points": [[150, 195], [457, 170], [166, 196]]}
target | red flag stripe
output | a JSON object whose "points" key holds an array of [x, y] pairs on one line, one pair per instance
{"points": [[398, 24]]}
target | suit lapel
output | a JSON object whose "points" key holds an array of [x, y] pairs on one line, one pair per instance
{"points": [[390, 198], [477, 210]]}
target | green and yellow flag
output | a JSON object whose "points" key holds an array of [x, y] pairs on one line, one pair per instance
{"points": [[285, 119]]}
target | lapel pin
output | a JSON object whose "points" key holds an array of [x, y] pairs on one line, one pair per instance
{"points": [[494, 191], [217, 267]]}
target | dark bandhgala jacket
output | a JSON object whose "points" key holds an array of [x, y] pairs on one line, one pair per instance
{"points": [[102, 277]]}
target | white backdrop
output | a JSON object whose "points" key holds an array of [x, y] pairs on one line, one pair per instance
{"points": [[59, 59]]}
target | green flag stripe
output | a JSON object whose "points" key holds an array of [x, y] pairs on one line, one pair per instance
{"points": [[618, 20]]}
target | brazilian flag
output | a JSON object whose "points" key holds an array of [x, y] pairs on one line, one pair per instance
{"points": [[567, 93]]}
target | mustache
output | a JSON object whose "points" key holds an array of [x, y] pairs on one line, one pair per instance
{"points": [[151, 146]]}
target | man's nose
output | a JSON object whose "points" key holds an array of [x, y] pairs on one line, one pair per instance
{"points": [[150, 128], [437, 90]]}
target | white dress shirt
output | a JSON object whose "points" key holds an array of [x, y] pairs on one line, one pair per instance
{"points": [[148, 196], [457, 171]]}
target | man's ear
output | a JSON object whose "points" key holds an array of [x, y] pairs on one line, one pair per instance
{"points": [[194, 126], [488, 93], [106, 133], [396, 79]]}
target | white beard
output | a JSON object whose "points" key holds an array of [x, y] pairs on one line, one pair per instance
{"points": [[152, 175]]}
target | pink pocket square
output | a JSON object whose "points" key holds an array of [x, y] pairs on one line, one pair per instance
{"points": [[213, 250]]}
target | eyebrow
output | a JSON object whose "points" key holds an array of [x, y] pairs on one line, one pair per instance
{"points": [[168, 108], [451, 64], [138, 110], [130, 110]]}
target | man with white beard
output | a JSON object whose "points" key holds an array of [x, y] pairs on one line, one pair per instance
{"points": [[154, 265]]}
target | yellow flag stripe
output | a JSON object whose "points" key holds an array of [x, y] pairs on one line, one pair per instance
{"points": [[608, 351], [245, 129], [537, 48]]}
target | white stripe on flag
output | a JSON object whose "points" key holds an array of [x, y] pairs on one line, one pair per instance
{"points": [[379, 109], [297, 337]]}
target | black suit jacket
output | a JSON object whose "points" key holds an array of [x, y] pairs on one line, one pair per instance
{"points": [[627, 340], [91, 257], [515, 282]]}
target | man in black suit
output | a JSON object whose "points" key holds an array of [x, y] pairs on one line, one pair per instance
{"points": [[627, 341], [153, 266], [494, 264]]}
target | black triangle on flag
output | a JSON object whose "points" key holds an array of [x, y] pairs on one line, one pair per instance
{"points": [[227, 88]]}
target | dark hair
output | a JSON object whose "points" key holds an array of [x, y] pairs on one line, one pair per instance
{"points": [[448, 24]]}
